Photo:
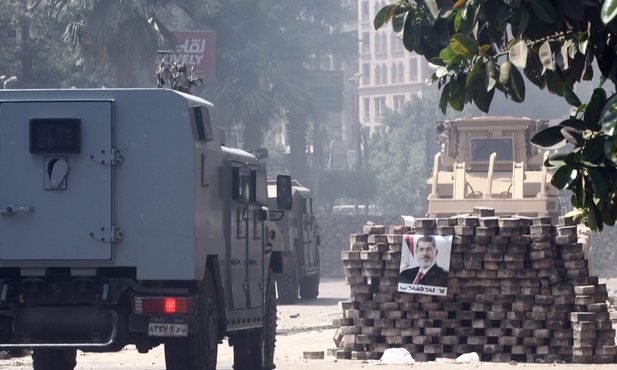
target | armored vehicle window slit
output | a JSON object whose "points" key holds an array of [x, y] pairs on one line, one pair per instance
{"points": [[483, 148], [203, 123], [55, 135], [243, 185]]}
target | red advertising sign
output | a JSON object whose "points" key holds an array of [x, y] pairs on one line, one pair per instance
{"points": [[196, 49]]}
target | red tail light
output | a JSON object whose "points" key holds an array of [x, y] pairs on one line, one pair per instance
{"points": [[164, 305]]}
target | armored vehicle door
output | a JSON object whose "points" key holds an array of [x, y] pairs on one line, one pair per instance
{"points": [[56, 181], [306, 232], [247, 252]]}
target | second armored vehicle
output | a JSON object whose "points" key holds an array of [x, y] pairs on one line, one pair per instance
{"points": [[297, 240]]}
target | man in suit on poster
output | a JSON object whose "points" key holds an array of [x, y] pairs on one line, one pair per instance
{"points": [[428, 272]]}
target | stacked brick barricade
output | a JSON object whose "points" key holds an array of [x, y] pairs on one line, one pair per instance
{"points": [[518, 290]]}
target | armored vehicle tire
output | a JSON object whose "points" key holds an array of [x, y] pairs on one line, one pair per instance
{"points": [[309, 287], [197, 351], [54, 359], [287, 287], [254, 349]]}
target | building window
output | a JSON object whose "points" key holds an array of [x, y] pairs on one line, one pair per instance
{"points": [[365, 15], [380, 42], [377, 75], [380, 106], [366, 43], [367, 108], [396, 44], [384, 75], [414, 75], [401, 73], [399, 102], [366, 74], [394, 75]]}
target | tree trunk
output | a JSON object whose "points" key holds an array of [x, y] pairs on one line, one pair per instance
{"points": [[26, 54], [297, 144], [253, 135]]}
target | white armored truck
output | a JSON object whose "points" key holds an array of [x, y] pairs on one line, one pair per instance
{"points": [[124, 219]]}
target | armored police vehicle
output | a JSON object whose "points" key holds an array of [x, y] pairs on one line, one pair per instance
{"points": [[297, 240], [124, 219]]}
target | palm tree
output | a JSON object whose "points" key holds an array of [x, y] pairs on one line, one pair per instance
{"points": [[264, 49], [119, 35], [258, 69]]}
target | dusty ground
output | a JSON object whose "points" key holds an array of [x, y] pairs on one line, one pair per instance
{"points": [[306, 327]]}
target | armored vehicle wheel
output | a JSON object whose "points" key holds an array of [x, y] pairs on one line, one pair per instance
{"points": [[287, 287], [254, 349], [54, 359], [197, 351], [309, 287]]}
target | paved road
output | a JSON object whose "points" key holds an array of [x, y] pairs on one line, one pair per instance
{"points": [[306, 326]]}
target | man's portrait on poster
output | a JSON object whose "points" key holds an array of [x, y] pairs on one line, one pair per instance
{"points": [[425, 260]]}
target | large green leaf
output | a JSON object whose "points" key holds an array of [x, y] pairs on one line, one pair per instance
{"points": [[556, 159], [512, 82], [563, 177], [609, 11], [481, 96], [383, 16], [432, 7], [398, 22], [548, 138], [571, 96], [598, 183], [574, 123], [457, 93], [443, 100], [533, 70], [475, 72], [518, 53], [608, 116], [592, 218], [412, 34], [491, 75], [544, 10], [520, 20], [594, 107], [572, 135], [546, 56], [518, 86], [468, 19], [449, 56], [463, 45]]}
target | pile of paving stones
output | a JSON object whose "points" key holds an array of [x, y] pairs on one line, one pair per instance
{"points": [[519, 289]]}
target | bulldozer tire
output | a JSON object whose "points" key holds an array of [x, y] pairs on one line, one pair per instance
{"points": [[287, 287], [54, 359]]}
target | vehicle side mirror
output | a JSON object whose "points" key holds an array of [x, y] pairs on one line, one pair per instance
{"points": [[283, 192]]}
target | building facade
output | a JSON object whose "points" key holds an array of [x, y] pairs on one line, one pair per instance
{"points": [[388, 74]]}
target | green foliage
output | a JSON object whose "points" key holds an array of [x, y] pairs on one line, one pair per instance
{"points": [[39, 57], [122, 37], [264, 49], [402, 156], [484, 46]]}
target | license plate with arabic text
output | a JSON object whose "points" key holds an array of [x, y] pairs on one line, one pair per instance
{"points": [[167, 330]]}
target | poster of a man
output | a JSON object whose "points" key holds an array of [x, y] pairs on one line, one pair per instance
{"points": [[424, 264]]}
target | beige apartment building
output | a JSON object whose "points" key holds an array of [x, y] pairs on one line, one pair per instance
{"points": [[388, 74]]}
